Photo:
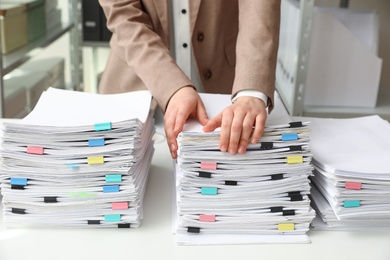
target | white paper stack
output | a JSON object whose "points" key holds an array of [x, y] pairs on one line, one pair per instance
{"points": [[257, 197], [78, 160], [351, 180]]}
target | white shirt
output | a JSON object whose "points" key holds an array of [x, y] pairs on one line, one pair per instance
{"points": [[181, 41], [182, 51]]}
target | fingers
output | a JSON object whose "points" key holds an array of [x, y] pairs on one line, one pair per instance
{"points": [[246, 131], [170, 125], [241, 123], [225, 143], [201, 113], [240, 130], [246, 117], [174, 125], [259, 128], [213, 123], [223, 120], [184, 103]]}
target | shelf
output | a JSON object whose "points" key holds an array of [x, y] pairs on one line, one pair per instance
{"points": [[96, 44], [293, 93], [21, 55], [382, 109]]}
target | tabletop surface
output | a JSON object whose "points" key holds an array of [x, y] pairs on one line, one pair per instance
{"points": [[154, 238]]}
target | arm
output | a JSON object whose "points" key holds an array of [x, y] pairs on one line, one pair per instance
{"points": [[256, 52], [257, 46], [142, 43]]}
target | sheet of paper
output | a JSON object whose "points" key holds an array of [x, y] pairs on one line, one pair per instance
{"points": [[357, 147], [74, 108]]}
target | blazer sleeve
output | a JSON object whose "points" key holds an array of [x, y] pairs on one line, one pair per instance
{"points": [[257, 45], [136, 42]]}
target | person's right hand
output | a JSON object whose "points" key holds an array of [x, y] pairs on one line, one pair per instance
{"points": [[184, 103]]}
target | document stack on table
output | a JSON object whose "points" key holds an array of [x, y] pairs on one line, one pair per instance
{"points": [[257, 197], [351, 182], [78, 160]]}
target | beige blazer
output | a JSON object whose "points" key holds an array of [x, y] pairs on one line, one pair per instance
{"points": [[234, 42]]}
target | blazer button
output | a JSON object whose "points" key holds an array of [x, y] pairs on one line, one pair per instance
{"points": [[200, 37], [207, 74]]}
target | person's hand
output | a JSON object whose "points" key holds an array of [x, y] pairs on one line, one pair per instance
{"points": [[184, 103], [237, 122]]}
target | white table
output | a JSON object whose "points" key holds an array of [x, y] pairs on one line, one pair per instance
{"points": [[154, 239]]}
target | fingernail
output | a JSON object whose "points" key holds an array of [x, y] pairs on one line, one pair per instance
{"points": [[223, 148], [241, 149], [173, 147], [232, 151]]}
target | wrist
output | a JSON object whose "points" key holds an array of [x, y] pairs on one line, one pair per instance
{"points": [[251, 93]]}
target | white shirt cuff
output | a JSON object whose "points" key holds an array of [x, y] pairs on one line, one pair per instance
{"points": [[251, 93]]}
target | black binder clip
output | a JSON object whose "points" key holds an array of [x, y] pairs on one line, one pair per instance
{"points": [[266, 145], [295, 124]]}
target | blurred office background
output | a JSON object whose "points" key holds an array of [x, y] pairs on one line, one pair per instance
{"points": [[64, 44]]}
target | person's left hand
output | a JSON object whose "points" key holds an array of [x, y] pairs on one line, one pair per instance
{"points": [[237, 122]]}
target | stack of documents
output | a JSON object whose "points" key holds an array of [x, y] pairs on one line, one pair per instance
{"points": [[257, 197], [78, 160], [351, 182]]}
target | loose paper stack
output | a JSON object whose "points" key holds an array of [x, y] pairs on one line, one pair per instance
{"points": [[78, 160], [351, 180], [257, 197]]}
